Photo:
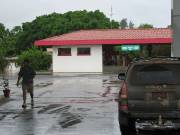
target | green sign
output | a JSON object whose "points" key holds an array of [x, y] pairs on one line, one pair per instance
{"points": [[127, 48]]}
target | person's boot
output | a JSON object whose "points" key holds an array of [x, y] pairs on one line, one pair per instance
{"points": [[32, 102], [24, 105]]}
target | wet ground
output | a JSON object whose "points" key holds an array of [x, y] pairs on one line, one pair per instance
{"points": [[65, 105]]}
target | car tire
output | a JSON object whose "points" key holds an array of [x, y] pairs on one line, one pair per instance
{"points": [[124, 130], [128, 129]]}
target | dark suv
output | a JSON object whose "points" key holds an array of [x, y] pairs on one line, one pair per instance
{"points": [[149, 97]]}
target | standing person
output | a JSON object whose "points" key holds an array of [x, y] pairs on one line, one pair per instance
{"points": [[27, 74]]}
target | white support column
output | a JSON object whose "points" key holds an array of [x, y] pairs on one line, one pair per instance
{"points": [[175, 49]]}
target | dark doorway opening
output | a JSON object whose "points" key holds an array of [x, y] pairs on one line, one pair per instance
{"points": [[115, 60]]}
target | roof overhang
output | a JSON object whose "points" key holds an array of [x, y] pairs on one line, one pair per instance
{"points": [[103, 42]]}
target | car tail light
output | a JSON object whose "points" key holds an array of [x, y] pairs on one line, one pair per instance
{"points": [[123, 97]]}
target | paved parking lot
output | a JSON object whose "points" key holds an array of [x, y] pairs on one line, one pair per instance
{"points": [[64, 104]]}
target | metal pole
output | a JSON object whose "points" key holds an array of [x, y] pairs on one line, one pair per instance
{"points": [[175, 47]]}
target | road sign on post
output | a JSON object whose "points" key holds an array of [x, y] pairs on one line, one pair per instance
{"points": [[129, 48]]}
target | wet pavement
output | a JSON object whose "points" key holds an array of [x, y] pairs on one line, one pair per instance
{"points": [[65, 104]]}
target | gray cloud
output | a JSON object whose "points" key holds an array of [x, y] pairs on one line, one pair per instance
{"points": [[156, 12]]}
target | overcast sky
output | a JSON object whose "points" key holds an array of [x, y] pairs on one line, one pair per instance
{"points": [[156, 12]]}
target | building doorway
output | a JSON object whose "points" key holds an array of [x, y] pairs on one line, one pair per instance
{"points": [[112, 58], [116, 59]]}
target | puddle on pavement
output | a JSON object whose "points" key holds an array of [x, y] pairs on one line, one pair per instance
{"points": [[14, 113], [108, 100], [59, 110], [111, 82], [16, 116], [83, 109], [44, 93], [4, 100], [55, 108], [115, 82], [69, 119], [105, 81], [40, 85], [66, 118], [8, 112], [107, 91], [2, 117]]}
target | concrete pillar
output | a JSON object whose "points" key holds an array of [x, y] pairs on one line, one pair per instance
{"points": [[175, 49]]}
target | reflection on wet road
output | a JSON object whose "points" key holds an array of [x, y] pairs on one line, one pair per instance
{"points": [[66, 105]]}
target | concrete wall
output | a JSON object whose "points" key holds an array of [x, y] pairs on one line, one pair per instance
{"points": [[176, 28], [75, 63]]}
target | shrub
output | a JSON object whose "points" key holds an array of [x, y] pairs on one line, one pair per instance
{"points": [[39, 60], [3, 61]]}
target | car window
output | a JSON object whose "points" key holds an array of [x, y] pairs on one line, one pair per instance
{"points": [[155, 74]]}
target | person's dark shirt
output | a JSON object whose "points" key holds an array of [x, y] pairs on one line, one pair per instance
{"points": [[27, 73]]}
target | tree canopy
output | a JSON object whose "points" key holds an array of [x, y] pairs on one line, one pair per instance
{"points": [[39, 59], [123, 23], [3, 36], [20, 38], [131, 25], [55, 24], [146, 25]]}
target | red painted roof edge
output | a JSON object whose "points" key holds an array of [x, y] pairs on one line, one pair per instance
{"points": [[96, 42]]}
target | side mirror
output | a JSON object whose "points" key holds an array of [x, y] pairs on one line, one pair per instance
{"points": [[121, 76]]}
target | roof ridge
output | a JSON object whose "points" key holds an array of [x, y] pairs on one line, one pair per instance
{"points": [[62, 34], [124, 29]]}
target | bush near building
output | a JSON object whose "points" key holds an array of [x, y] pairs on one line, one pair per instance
{"points": [[39, 59], [3, 61]]}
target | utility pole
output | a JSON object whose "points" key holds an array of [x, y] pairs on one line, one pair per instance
{"points": [[111, 15], [175, 11]]}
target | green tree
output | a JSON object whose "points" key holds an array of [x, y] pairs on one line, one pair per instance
{"points": [[3, 35], [3, 61], [131, 25], [146, 25], [12, 41], [2, 32], [123, 23], [39, 60], [56, 24], [8, 40]]}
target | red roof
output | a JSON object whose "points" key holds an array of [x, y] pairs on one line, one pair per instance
{"points": [[110, 36]]}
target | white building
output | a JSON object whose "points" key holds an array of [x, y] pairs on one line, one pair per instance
{"points": [[77, 58], [89, 50]]}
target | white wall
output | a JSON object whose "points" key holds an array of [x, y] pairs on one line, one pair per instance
{"points": [[75, 63]]}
